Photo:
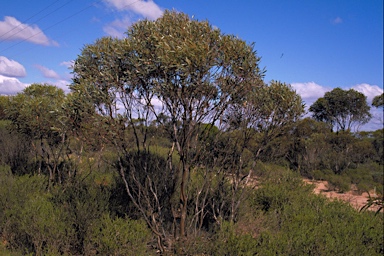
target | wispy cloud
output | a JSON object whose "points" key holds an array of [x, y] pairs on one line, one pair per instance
{"points": [[68, 64], [11, 29], [11, 85], [47, 73], [148, 9], [117, 28], [11, 68], [130, 8], [62, 84], [60, 81], [337, 20]]}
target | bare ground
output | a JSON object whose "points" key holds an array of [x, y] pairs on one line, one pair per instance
{"points": [[353, 197]]}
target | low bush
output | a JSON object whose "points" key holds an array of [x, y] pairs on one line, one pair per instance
{"points": [[298, 222], [322, 174], [117, 236], [340, 183]]}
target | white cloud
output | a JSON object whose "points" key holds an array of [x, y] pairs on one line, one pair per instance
{"points": [[368, 90], [11, 68], [12, 29], [148, 9], [48, 73], [310, 91], [117, 27], [62, 84], [68, 64], [10, 85]]}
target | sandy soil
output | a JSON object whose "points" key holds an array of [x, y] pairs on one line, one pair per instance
{"points": [[352, 197]]}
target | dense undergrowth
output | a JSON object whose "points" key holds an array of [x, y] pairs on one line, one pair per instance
{"points": [[281, 217]]}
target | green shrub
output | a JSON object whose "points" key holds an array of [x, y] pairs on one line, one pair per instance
{"points": [[298, 222], [29, 221], [340, 183], [45, 225], [278, 189], [322, 174], [118, 236], [81, 203], [228, 242]]}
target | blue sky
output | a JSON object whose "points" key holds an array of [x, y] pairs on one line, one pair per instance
{"points": [[314, 45]]}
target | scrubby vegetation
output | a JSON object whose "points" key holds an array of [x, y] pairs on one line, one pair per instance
{"points": [[281, 217], [215, 168]]}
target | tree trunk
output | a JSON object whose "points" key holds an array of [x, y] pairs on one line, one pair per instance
{"points": [[183, 200]]}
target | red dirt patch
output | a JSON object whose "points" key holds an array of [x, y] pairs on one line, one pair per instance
{"points": [[353, 197]]}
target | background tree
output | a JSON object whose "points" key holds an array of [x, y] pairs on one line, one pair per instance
{"points": [[4, 101], [342, 109], [246, 129], [306, 141], [36, 113], [265, 113], [378, 101]]}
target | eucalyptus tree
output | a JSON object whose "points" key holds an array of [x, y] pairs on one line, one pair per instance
{"points": [[176, 66], [265, 114], [109, 75], [36, 113], [342, 109]]}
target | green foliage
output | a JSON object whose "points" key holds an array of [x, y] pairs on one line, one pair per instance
{"points": [[70, 220], [4, 101], [35, 111], [322, 174], [297, 222], [367, 177], [82, 204], [229, 242], [291, 220], [280, 188], [17, 149], [195, 72], [117, 236], [112, 181], [340, 183], [378, 144], [320, 229], [29, 221], [37, 114], [45, 225], [378, 101], [342, 109]]}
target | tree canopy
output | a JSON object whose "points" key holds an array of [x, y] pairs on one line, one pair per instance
{"points": [[191, 69], [378, 101], [342, 109], [37, 113]]}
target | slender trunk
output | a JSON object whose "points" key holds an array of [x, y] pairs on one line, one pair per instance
{"points": [[183, 198]]}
